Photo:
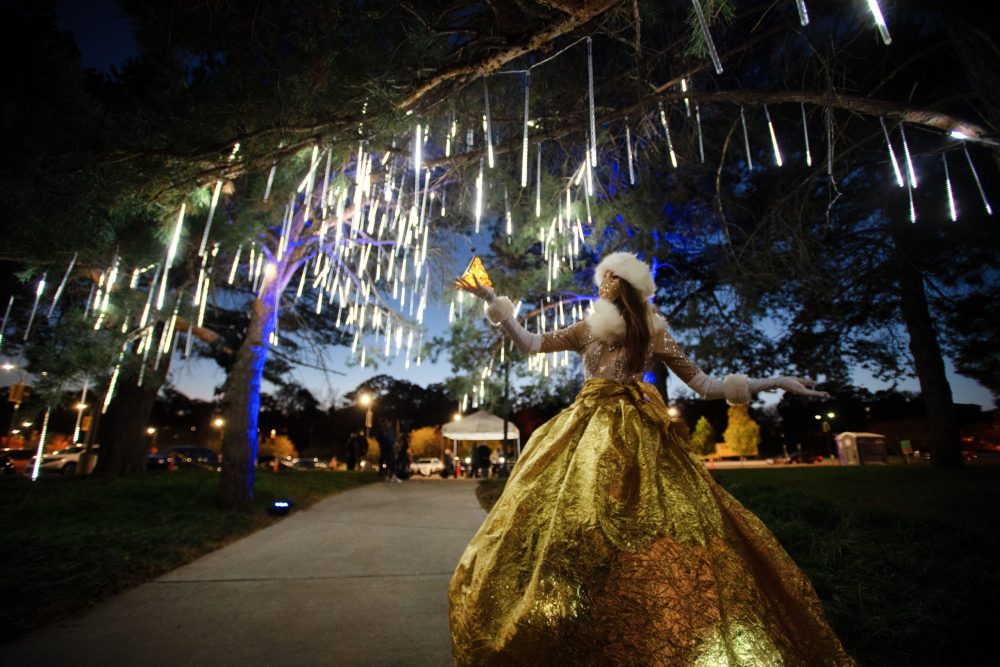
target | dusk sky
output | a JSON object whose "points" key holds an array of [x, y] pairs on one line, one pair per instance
{"points": [[104, 39]]}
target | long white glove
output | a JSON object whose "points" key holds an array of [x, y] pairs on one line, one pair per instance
{"points": [[793, 385], [736, 389], [500, 312]]}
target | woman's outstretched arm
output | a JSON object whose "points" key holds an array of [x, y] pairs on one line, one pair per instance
{"points": [[736, 389]]}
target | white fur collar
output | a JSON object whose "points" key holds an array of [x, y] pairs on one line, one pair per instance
{"points": [[607, 325]]}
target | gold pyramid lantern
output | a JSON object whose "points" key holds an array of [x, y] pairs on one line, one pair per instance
{"points": [[477, 271]]}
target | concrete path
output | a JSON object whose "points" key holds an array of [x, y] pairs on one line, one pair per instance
{"points": [[360, 578]]}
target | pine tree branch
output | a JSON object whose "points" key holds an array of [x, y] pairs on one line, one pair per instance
{"points": [[487, 66]]}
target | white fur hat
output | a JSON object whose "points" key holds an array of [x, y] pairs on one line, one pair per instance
{"points": [[629, 268]]}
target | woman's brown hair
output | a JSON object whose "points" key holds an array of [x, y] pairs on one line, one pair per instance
{"points": [[633, 309]]}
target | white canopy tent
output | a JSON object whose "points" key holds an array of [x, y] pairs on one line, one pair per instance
{"points": [[481, 426]]}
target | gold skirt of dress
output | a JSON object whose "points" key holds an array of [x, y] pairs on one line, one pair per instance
{"points": [[612, 545]]}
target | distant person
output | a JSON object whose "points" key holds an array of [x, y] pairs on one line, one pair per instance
{"points": [[386, 438], [355, 443], [484, 460], [403, 454], [449, 466], [474, 462]]}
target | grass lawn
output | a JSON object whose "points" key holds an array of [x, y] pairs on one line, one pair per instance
{"points": [[67, 543], [905, 558]]}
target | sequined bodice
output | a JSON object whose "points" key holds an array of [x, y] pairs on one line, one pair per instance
{"points": [[602, 359]]}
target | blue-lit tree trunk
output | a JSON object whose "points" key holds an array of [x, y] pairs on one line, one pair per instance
{"points": [[242, 400], [242, 396]]}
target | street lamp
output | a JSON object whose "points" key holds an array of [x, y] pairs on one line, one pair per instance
{"points": [[825, 427], [365, 400], [151, 432]]}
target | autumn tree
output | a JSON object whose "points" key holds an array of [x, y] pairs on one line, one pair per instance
{"points": [[742, 433], [703, 438], [425, 442]]}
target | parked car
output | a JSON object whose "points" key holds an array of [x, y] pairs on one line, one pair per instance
{"points": [[266, 462], [67, 461], [804, 457], [18, 461], [178, 455], [425, 467], [502, 466], [303, 463]]}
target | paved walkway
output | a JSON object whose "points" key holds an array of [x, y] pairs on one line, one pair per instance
{"points": [[360, 578]]}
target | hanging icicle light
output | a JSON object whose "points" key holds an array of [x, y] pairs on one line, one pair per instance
{"points": [[803, 14], [828, 115], [487, 125], [452, 131], [687, 102], [708, 36], [666, 131], [6, 315], [62, 286], [746, 139], [975, 175], [171, 253], [236, 263], [628, 152], [805, 133], [590, 98], [774, 137], [952, 210], [892, 154], [507, 216], [211, 216], [910, 171], [40, 452], [80, 407], [479, 195], [417, 147], [112, 383], [701, 140], [39, 289], [883, 29], [538, 183], [524, 140], [913, 208], [270, 175]]}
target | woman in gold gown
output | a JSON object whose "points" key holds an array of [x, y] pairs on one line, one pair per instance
{"points": [[611, 544]]}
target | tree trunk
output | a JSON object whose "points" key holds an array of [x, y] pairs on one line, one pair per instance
{"points": [[927, 358], [121, 432], [123, 428], [239, 442]]}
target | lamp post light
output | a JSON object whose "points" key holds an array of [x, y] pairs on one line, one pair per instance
{"points": [[151, 432], [80, 407], [365, 400], [826, 428], [220, 424]]}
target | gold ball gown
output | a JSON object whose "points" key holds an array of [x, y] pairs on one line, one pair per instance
{"points": [[612, 545]]}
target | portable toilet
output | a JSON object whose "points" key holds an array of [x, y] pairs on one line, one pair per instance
{"points": [[861, 448]]}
